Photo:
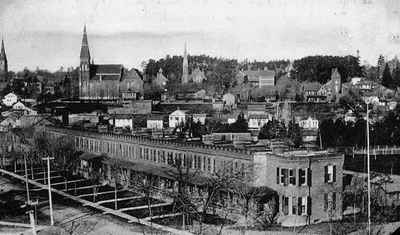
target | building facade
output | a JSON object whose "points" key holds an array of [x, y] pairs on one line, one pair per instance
{"points": [[106, 81], [309, 184]]}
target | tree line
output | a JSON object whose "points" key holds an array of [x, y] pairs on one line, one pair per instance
{"points": [[318, 68], [340, 133]]}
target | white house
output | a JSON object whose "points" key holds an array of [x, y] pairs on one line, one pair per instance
{"points": [[155, 122], [7, 123], [309, 123], [350, 116], [121, 120], [199, 118], [178, 117], [19, 106], [229, 101], [255, 121], [10, 99]]}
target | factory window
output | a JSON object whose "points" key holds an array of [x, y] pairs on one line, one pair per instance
{"points": [[330, 201], [330, 173], [304, 205]]}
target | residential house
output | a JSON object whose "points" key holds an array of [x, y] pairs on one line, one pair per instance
{"points": [[121, 120], [349, 116], [160, 80], [198, 76], [333, 88], [260, 78], [19, 106], [229, 101], [178, 117], [311, 92], [199, 118], [256, 108], [10, 99], [309, 123], [309, 131], [155, 122], [8, 123], [257, 121]]}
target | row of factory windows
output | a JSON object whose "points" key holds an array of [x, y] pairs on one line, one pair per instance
{"points": [[302, 205], [303, 176], [173, 158]]}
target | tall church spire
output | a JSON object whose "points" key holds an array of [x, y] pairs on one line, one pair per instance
{"points": [[3, 66], [185, 67], [85, 54], [3, 52]]}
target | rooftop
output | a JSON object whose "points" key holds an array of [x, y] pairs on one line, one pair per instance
{"points": [[107, 68], [306, 153]]}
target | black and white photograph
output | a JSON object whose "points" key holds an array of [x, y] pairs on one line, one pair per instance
{"points": [[199, 117]]}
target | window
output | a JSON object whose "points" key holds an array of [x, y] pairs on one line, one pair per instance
{"points": [[294, 206], [292, 177], [330, 202], [278, 173], [284, 176], [304, 206], [330, 173], [302, 177], [285, 205]]}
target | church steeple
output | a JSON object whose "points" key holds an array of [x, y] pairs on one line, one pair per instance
{"points": [[3, 66], [85, 54], [185, 67], [3, 56]]}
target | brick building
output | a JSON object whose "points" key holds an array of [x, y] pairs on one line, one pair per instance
{"points": [[304, 181], [309, 184]]}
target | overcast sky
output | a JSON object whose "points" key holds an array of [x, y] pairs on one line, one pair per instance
{"points": [[48, 33]]}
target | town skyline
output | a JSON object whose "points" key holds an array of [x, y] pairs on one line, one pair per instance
{"points": [[147, 30]]}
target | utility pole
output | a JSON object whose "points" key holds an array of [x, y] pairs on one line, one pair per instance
{"points": [[26, 181], [33, 223], [368, 173], [48, 158]]}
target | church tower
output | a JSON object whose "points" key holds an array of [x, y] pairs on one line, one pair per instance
{"points": [[185, 67], [3, 67], [84, 68]]}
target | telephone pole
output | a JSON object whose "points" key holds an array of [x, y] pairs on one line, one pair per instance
{"points": [[368, 174], [48, 158]]}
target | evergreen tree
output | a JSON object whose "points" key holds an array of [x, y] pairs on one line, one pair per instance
{"points": [[387, 79], [380, 65], [396, 76]]}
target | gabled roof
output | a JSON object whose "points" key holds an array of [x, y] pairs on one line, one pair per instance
{"points": [[106, 68], [156, 117], [312, 86], [254, 75], [89, 156], [179, 112]]}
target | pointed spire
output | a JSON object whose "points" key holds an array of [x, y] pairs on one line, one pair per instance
{"points": [[185, 66], [85, 54], [185, 50], [3, 51]]}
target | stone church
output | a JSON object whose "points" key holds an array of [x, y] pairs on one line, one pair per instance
{"points": [[3, 67], [106, 81]]}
